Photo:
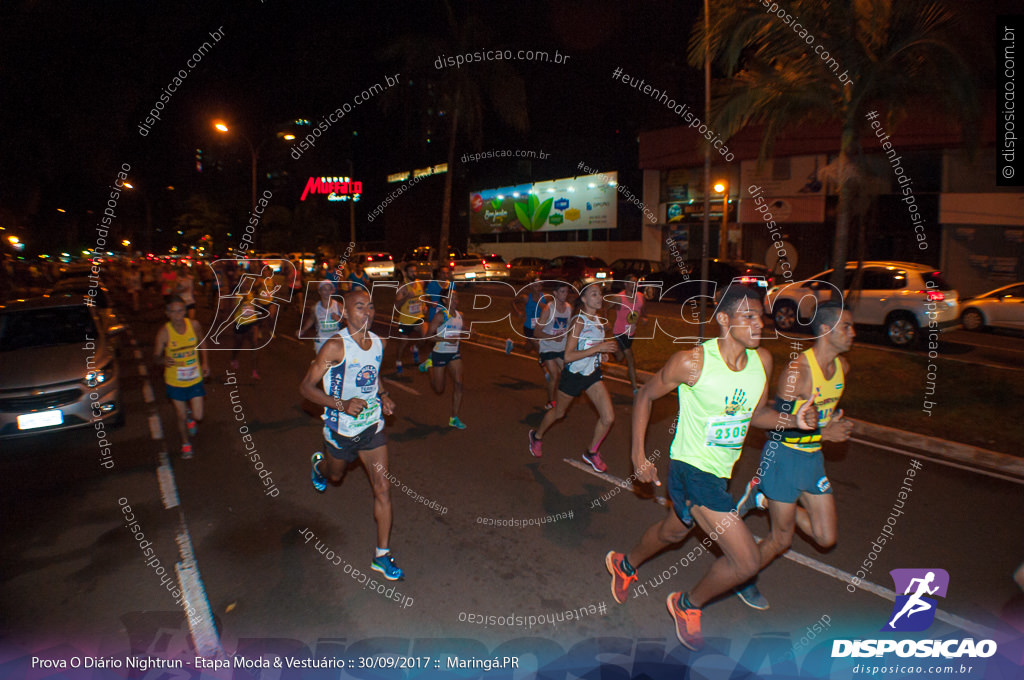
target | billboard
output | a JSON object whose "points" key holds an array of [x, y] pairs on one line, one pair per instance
{"points": [[585, 202]]}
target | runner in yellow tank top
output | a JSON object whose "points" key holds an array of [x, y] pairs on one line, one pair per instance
{"points": [[722, 385], [177, 349], [412, 312], [792, 467]]}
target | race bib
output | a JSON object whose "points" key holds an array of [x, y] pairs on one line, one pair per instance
{"points": [[414, 308], [452, 334], [186, 373], [727, 431], [368, 414], [329, 325]]}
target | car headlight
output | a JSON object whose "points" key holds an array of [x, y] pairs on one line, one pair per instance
{"points": [[97, 377]]}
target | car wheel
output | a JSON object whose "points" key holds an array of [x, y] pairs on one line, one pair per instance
{"points": [[784, 314], [972, 320], [901, 329]]}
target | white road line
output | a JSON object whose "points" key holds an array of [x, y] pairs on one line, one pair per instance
{"points": [[147, 393], [938, 461], [137, 353], [204, 634], [156, 431], [818, 566], [168, 489], [142, 370], [401, 386]]}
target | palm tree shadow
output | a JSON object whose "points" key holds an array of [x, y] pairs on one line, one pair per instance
{"points": [[417, 430], [571, 530]]}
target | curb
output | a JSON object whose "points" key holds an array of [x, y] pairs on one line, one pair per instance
{"points": [[972, 456]]}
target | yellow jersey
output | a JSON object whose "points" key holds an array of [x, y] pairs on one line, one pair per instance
{"points": [[181, 347], [826, 397]]}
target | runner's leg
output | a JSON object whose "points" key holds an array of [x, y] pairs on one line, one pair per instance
{"points": [[599, 396], [819, 519], [376, 463], [455, 367], [562, 402], [657, 537], [740, 561]]}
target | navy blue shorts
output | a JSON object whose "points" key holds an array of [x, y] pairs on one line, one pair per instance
{"points": [[688, 485], [348, 448], [528, 332], [786, 472], [186, 393], [624, 340], [441, 359], [575, 384], [551, 356]]}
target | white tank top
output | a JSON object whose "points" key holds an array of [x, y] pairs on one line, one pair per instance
{"points": [[449, 333], [591, 334], [559, 325], [325, 325], [357, 376]]}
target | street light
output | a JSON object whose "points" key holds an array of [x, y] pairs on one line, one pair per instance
{"points": [[222, 127], [722, 187]]}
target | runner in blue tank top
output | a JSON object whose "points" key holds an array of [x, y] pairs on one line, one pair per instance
{"points": [[344, 379]]}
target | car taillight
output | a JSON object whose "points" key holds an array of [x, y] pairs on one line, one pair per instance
{"points": [[452, 263], [934, 295], [508, 266], [369, 259], [748, 279], [390, 258], [483, 261]]}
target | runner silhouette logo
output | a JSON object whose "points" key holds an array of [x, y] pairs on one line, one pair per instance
{"points": [[914, 610]]}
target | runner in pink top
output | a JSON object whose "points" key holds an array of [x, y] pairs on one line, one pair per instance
{"points": [[629, 310]]}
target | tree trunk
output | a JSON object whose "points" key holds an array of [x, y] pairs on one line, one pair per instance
{"points": [[842, 235], [446, 211]]}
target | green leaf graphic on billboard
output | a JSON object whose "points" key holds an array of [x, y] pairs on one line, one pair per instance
{"points": [[555, 219], [496, 203], [533, 214]]}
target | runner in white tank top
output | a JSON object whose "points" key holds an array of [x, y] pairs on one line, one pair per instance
{"points": [[550, 330], [344, 379], [583, 352], [447, 327], [326, 316]]}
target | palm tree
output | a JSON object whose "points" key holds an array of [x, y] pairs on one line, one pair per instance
{"points": [[893, 54], [457, 96]]}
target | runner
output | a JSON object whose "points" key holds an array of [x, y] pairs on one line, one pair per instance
{"points": [[551, 331], [344, 379], [411, 311], [254, 307], [447, 327], [358, 277], [176, 350], [795, 471], [629, 313], [721, 383], [436, 291], [326, 315], [168, 279], [297, 283], [582, 373], [530, 297]]}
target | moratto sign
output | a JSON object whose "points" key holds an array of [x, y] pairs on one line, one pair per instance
{"points": [[336, 188]]}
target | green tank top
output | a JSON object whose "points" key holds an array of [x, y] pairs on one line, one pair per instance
{"points": [[714, 414]]}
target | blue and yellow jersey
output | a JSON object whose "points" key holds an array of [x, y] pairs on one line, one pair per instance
{"points": [[826, 397]]}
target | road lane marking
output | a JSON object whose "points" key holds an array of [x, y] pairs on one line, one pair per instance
{"points": [[400, 386], [147, 393], [168, 489], [137, 353], [156, 431], [938, 461], [204, 635], [142, 370], [818, 566]]}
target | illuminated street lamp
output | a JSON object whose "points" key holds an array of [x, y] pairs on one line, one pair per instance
{"points": [[222, 127], [722, 187]]}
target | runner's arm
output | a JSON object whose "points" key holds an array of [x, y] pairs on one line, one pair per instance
{"points": [[574, 354], [794, 384], [331, 354], [682, 367], [158, 348], [203, 360]]}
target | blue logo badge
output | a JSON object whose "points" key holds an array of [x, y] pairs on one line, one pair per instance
{"points": [[913, 611]]}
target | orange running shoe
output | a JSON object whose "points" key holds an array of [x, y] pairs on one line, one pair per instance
{"points": [[687, 623], [620, 580]]}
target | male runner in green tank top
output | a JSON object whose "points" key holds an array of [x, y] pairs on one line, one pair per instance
{"points": [[721, 384]]}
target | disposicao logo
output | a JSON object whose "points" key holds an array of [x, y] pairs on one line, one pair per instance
{"points": [[914, 610]]}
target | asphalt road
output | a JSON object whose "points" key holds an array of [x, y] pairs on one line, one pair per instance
{"points": [[75, 578]]}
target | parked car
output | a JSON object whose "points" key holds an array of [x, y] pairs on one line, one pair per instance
{"points": [[376, 265], [525, 268], [469, 267], [576, 269], [897, 296], [642, 269], [57, 367], [307, 260], [426, 260], [682, 286], [999, 308], [495, 267]]}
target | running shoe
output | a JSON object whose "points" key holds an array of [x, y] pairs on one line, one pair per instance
{"points": [[620, 580], [687, 622], [594, 458], [319, 481], [385, 564], [508, 346], [456, 423], [550, 405], [751, 498], [425, 366], [535, 445], [186, 452], [751, 596], [398, 368], [415, 355], [192, 427]]}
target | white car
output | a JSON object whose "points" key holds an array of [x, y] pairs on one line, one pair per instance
{"points": [[898, 296], [376, 265], [999, 308]]}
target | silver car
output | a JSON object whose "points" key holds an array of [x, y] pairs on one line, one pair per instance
{"points": [[999, 308], [58, 368], [901, 297]]}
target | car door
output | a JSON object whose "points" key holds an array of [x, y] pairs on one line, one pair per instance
{"points": [[1007, 308], [878, 294]]}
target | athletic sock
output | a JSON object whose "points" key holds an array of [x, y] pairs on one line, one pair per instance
{"points": [[381, 552], [628, 568], [685, 601]]}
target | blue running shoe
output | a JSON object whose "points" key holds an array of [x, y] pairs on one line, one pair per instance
{"points": [[751, 596], [752, 498], [455, 422], [415, 355], [508, 346], [319, 481], [425, 366], [385, 564], [398, 368]]}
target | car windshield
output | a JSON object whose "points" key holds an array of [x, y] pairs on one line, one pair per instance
{"points": [[45, 327], [593, 262], [936, 280]]}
